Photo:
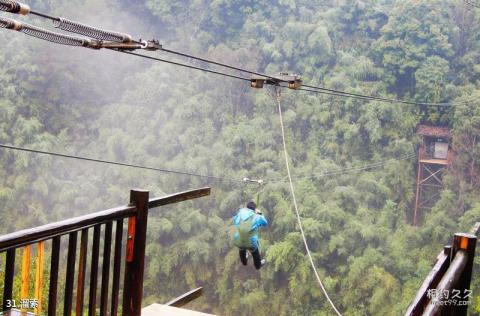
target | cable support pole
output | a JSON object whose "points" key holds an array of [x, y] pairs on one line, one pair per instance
{"points": [[292, 190], [119, 163]]}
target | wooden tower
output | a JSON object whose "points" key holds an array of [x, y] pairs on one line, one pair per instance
{"points": [[434, 156]]}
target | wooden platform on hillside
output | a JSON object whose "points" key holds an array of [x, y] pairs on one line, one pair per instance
{"points": [[164, 310]]}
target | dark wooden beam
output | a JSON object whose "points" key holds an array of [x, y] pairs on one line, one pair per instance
{"points": [[107, 244], [54, 263], [70, 274], [92, 297], [178, 197], [186, 298], [82, 265], [135, 261], [8, 281], [36, 234], [117, 261], [32, 235], [448, 282], [431, 281]]}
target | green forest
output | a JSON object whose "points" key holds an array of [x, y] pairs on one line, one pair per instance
{"points": [[358, 223]]}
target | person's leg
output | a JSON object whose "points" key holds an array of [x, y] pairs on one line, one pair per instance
{"points": [[243, 256], [257, 259]]}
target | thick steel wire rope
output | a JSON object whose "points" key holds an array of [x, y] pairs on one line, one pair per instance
{"points": [[17, 148]]}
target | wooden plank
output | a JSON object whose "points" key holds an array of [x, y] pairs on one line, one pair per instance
{"points": [[117, 257], [107, 245], [186, 298], [82, 265], [92, 301], [435, 161], [52, 293], [421, 300], [475, 229], [39, 277], [70, 274], [448, 282], [178, 197], [25, 288], [33, 235], [133, 281], [8, 281], [157, 310]]}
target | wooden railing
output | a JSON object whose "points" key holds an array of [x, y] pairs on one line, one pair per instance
{"points": [[450, 276], [89, 225]]}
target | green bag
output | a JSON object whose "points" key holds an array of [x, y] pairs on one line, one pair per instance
{"points": [[245, 233]]}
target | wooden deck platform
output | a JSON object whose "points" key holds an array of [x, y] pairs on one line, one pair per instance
{"points": [[164, 310], [435, 161]]}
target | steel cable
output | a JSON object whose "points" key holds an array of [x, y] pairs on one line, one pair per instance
{"points": [[17, 148], [54, 37], [10, 6], [90, 31]]}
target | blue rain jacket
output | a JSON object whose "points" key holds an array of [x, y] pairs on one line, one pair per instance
{"points": [[258, 221]]}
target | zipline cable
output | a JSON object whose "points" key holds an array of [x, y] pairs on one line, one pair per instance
{"points": [[99, 34], [338, 92], [183, 65], [292, 190], [348, 170], [120, 163], [366, 97]]}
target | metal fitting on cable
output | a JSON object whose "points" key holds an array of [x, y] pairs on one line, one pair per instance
{"points": [[10, 24], [259, 181], [14, 7], [90, 31]]}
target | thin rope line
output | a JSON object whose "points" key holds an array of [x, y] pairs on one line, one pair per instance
{"points": [[277, 91], [347, 170], [119, 163]]}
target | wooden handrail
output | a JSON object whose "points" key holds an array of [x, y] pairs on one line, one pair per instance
{"points": [[48, 231], [431, 281], [137, 214]]}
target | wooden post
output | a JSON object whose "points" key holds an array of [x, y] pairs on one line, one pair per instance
{"points": [[25, 289], [82, 265], [135, 257], [9, 274], [54, 263], [467, 243], [39, 278]]}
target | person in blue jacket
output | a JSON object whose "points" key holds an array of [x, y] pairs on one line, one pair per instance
{"points": [[247, 221]]}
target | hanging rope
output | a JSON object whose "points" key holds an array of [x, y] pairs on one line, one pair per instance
{"points": [[277, 93]]}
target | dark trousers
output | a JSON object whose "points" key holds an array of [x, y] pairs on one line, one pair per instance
{"points": [[257, 260]]}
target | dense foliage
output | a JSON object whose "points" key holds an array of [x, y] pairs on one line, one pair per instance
{"points": [[358, 224]]}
